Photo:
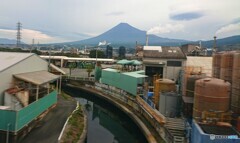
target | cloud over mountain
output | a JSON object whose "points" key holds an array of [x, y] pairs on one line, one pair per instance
{"points": [[167, 28], [232, 28]]}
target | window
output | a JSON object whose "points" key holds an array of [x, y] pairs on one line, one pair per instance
{"points": [[174, 63]]}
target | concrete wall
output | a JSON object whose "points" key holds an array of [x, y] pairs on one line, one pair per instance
{"points": [[169, 72], [31, 64], [172, 72]]}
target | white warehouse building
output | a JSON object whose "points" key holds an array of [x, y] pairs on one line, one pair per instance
{"points": [[25, 91], [12, 64]]}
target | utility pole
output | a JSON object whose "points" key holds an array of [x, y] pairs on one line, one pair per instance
{"points": [[19, 28], [32, 48]]}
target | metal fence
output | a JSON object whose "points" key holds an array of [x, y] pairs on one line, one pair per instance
{"points": [[78, 78]]}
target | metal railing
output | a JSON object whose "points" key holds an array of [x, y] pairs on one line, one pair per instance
{"points": [[79, 78]]}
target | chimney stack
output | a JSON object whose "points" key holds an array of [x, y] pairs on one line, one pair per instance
{"points": [[215, 45]]}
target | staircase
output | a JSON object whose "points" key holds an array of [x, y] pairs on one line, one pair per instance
{"points": [[175, 130]]}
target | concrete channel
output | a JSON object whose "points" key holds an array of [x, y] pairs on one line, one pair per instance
{"points": [[144, 129]]}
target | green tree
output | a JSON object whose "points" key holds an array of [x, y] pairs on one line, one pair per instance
{"points": [[71, 66], [100, 54], [89, 69]]}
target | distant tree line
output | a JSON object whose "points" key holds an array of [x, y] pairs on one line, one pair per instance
{"points": [[20, 50]]}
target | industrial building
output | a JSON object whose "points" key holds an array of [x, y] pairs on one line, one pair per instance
{"points": [[165, 61], [199, 107], [25, 92], [61, 61], [122, 52], [109, 52], [203, 64]]}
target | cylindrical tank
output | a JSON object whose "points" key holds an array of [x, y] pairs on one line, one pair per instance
{"points": [[169, 104], [188, 71], [162, 85], [190, 85], [216, 65], [211, 94], [155, 77], [235, 97], [226, 66]]}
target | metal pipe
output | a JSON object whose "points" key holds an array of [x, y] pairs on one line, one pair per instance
{"points": [[37, 92], [146, 39], [60, 84], [7, 138]]}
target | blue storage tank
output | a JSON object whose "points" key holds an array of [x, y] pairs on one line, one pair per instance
{"points": [[213, 134]]}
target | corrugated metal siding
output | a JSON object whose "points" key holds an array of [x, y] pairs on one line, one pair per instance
{"points": [[7, 117], [27, 114], [18, 119], [121, 81]]}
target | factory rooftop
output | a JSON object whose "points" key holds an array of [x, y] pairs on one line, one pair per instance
{"points": [[8, 59], [163, 52]]}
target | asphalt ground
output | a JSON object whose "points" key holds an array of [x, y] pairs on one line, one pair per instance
{"points": [[50, 127]]}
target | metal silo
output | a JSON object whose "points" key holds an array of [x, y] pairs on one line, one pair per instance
{"points": [[211, 94], [235, 98], [162, 85], [226, 66], [189, 71], [216, 65], [191, 84]]}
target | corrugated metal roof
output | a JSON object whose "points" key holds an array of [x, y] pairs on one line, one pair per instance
{"points": [[37, 78], [204, 62], [165, 53], [124, 62], [135, 74], [77, 59], [110, 69], [8, 59], [158, 48]]}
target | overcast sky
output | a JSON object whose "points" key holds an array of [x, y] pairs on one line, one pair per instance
{"points": [[49, 21]]}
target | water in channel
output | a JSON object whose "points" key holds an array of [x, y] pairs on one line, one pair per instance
{"points": [[106, 123]]}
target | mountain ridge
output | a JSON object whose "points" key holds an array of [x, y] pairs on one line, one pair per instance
{"points": [[125, 33]]}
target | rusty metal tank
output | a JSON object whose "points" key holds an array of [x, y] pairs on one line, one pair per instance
{"points": [[189, 71], [216, 65], [226, 66], [235, 97], [190, 85], [162, 85], [211, 94]]}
